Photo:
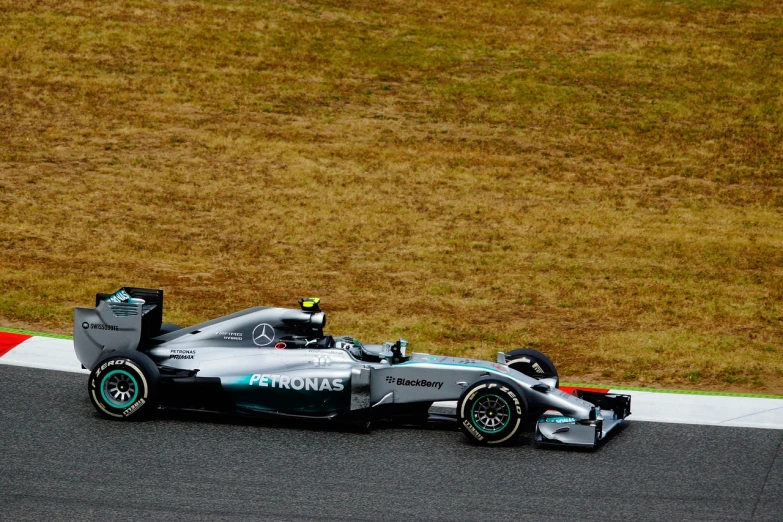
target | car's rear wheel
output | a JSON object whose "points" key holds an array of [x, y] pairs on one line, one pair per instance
{"points": [[491, 412], [532, 363], [124, 385]]}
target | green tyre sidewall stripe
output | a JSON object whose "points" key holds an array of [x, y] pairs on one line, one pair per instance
{"points": [[473, 415], [112, 403], [133, 370], [507, 395]]}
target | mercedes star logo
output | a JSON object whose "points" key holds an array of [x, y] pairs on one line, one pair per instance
{"points": [[263, 334]]}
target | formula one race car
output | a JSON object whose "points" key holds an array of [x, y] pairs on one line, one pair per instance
{"points": [[278, 362]]}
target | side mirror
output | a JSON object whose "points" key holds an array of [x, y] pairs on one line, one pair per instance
{"points": [[541, 387], [398, 351]]}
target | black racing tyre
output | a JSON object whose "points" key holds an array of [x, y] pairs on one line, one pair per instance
{"points": [[124, 385], [491, 412], [532, 363]]}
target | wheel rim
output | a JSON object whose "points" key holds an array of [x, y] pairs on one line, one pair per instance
{"points": [[119, 388], [490, 413]]}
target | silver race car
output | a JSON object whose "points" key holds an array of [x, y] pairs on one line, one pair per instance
{"points": [[267, 361]]}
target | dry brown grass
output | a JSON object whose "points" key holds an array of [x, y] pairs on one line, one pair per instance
{"points": [[601, 180]]}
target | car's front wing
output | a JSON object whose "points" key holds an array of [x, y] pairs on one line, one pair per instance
{"points": [[555, 429]]}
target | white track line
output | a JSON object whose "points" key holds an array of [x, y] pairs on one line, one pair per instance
{"points": [[46, 353], [716, 410], [748, 412]]}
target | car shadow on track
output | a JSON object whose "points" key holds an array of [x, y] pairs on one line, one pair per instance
{"points": [[525, 439], [316, 424]]}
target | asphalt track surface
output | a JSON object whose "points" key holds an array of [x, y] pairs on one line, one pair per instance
{"points": [[61, 461]]}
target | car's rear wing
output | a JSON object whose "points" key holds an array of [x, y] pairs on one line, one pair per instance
{"points": [[119, 321]]}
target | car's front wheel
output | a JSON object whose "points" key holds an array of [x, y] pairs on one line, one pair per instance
{"points": [[490, 412], [124, 385], [532, 363]]}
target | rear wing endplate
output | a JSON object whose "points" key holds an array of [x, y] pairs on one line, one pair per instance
{"points": [[116, 325]]}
